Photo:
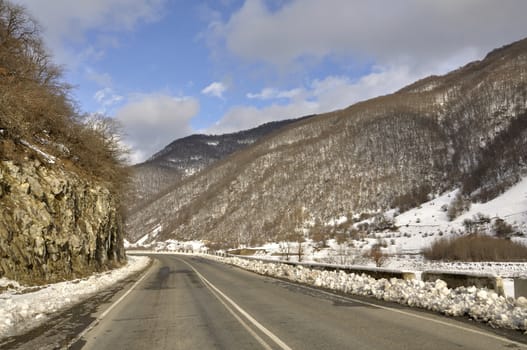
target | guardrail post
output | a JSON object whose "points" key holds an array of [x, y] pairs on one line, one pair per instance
{"points": [[520, 287], [408, 276]]}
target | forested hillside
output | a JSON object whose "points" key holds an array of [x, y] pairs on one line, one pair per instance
{"points": [[464, 129], [185, 157]]}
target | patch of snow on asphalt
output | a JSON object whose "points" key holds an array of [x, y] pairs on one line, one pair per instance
{"points": [[24, 308], [480, 304]]}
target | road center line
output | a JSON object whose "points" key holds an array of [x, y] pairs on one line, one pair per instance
{"points": [[257, 324], [239, 319]]}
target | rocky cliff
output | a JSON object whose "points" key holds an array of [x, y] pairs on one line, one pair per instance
{"points": [[55, 224], [61, 172]]}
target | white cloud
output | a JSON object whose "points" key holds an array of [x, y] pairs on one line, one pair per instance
{"points": [[107, 98], [265, 94], [246, 117], [66, 21], [272, 93], [102, 79], [412, 32], [404, 41], [321, 95], [152, 121], [336, 92], [215, 89]]}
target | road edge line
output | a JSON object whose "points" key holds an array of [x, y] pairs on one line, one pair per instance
{"points": [[388, 308], [107, 311]]}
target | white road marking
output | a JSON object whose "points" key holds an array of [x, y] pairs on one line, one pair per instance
{"points": [[257, 324], [387, 308], [107, 311], [239, 319]]}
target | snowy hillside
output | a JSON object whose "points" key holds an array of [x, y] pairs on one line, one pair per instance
{"points": [[430, 221], [187, 156], [414, 230], [465, 130]]}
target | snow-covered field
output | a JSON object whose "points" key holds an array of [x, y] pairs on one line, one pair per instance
{"points": [[23, 308], [480, 304], [416, 229], [342, 254], [419, 227], [339, 254], [170, 245]]}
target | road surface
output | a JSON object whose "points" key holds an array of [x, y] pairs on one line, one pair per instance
{"points": [[188, 302]]}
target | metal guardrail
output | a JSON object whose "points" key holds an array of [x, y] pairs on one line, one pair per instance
{"points": [[375, 272], [453, 279]]}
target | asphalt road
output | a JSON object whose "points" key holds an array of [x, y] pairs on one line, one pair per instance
{"points": [[194, 303]]}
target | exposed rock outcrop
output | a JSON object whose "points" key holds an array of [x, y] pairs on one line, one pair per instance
{"points": [[61, 171], [55, 224]]}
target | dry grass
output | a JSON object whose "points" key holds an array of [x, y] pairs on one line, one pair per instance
{"points": [[476, 248]]}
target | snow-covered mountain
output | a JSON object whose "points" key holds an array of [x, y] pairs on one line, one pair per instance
{"points": [[464, 131], [187, 156]]}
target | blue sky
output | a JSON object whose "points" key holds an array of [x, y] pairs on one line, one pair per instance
{"points": [[169, 68]]}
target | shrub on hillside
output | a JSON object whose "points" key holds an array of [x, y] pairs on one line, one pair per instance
{"points": [[376, 254], [458, 206], [382, 222], [476, 247], [36, 108], [502, 228], [412, 199]]}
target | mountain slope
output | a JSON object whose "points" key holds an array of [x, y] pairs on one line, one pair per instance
{"points": [[187, 156], [465, 128]]}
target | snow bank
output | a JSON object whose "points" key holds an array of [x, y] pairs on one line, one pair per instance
{"points": [[480, 304], [24, 308]]}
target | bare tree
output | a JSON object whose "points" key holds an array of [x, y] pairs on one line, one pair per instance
{"points": [[377, 255], [35, 105]]}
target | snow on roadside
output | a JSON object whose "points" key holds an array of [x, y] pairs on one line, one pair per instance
{"points": [[24, 308], [481, 304]]}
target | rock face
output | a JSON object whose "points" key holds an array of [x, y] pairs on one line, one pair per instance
{"points": [[55, 224]]}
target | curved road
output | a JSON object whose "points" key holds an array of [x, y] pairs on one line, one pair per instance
{"points": [[194, 303]]}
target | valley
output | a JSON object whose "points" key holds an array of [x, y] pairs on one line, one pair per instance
{"points": [[263, 174], [401, 170]]}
